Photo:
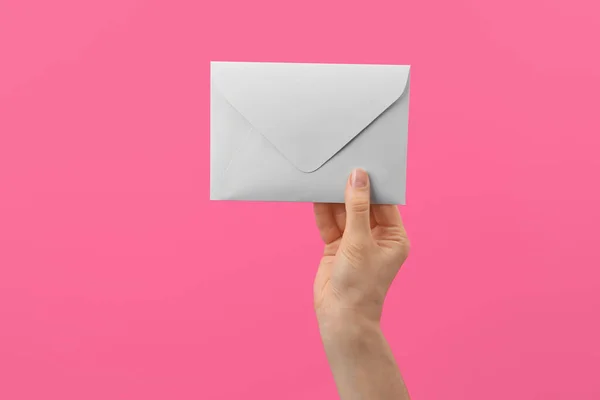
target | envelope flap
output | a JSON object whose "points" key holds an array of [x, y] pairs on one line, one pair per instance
{"points": [[309, 112]]}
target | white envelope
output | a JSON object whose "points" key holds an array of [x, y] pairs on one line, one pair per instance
{"points": [[295, 132]]}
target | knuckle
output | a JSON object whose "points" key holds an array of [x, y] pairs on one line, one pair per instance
{"points": [[359, 205], [402, 251], [395, 232], [405, 245], [398, 234]]}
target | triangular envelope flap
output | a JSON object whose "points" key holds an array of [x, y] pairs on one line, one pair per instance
{"points": [[309, 111]]}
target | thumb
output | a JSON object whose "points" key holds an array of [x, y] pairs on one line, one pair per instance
{"points": [[358, 198]]}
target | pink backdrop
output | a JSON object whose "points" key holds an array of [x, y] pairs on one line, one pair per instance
{"points": [[120, 280]]}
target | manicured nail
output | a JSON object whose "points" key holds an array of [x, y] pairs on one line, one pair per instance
{"points": [[359, 178]]}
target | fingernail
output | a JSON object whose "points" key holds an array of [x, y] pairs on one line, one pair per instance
{"points": [[359, 178]]}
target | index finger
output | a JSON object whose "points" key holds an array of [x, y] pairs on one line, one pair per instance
{"points": [[326, 222], [387, 215]]}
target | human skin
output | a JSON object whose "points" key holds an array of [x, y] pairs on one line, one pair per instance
{"points": [[365, 246]]}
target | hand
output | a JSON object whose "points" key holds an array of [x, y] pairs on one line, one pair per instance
{"points": [[365, 245]]}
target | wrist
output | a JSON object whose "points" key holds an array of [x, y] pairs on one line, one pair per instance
{"points": [[347, 328], [334, 314]]}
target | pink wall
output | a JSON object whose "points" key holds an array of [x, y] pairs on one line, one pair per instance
{"points": [[120, 280]]}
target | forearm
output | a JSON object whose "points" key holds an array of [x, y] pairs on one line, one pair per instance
{"points": [[361, 360]]}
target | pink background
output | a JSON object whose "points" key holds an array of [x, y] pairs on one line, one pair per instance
{"points": [[120, 280]]}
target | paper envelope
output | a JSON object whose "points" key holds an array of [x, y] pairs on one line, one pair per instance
{"points": [[295, 132]]}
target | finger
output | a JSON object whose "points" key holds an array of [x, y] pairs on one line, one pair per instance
{"points": [[339, 213], [387, 215], [326, 223], [358, 204], [372, 220]]}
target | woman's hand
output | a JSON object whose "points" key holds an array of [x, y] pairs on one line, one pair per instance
{"points": [[365, 245]]}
